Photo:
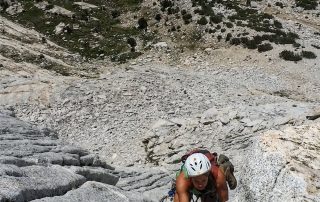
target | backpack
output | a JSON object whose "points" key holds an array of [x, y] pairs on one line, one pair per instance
{"points": [[213, 158]]}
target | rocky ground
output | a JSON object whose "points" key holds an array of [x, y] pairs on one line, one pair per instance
{"points": [[116, 131]]}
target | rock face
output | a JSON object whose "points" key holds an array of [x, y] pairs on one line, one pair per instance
{"points": [[283, 165], [257, 109], [34, 164]]}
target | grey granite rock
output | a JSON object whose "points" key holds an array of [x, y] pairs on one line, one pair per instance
{"points": [[95, 191], [35, 165]]}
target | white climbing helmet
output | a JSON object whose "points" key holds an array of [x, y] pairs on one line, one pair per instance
{"points": [[197, 164]]}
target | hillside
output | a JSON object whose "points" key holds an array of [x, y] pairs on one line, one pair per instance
{"points": [[138, 83]]}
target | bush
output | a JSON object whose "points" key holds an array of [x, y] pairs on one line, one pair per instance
{"points": [[258, 39], [124, 57], [132, 42], [158, 17], [143, 24], [187, 18], [229, 24], [115, 13], [239, 23], [172, 10], [251, 44], [296, 45], [264, 47], [216, 19], [203, 21], [315, 46], [244, 40], [223, 30], [280, 4], [277, 24], [165, 4], [207, 10], [284, 40], [235, 41], [289, 55], [198, 11], [219, 37], [229, 35], [308, 54], [307, 4]]}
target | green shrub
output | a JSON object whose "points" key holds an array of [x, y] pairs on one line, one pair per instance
{"points": [[289, 55], [307, 4], [258, 39], [229, 35], [315, 46], [216, 19], [115, 13], [244, 40], [235, 41], [202, 21], [308, 54], [124, 57], [143, 24], [207, 10], [251, 44], [286, 39], [296, 45], [264, 47], [158, 17], [166, 4], [280, 4], [187, 18], [229, 24], [198, 11]]}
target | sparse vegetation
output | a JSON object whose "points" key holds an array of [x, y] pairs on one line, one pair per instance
{"points": [[308, 54], [264, 47], [280, 4], [235, 41], [124, 57], [143, 24], [289, 55], [187, 18], [229, 24], [216, 19], [202, 21], [107, 37], [228, 37], [158, 17], [307, 4], [315, 46], [82, 33]]}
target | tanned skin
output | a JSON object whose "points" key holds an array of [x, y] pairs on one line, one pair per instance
{"points": [[183, 185]]}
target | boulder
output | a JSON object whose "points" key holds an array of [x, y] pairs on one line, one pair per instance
{"points": [[95, 191]]}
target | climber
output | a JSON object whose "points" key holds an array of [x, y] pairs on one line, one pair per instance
{"points": [[201, 176]]}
